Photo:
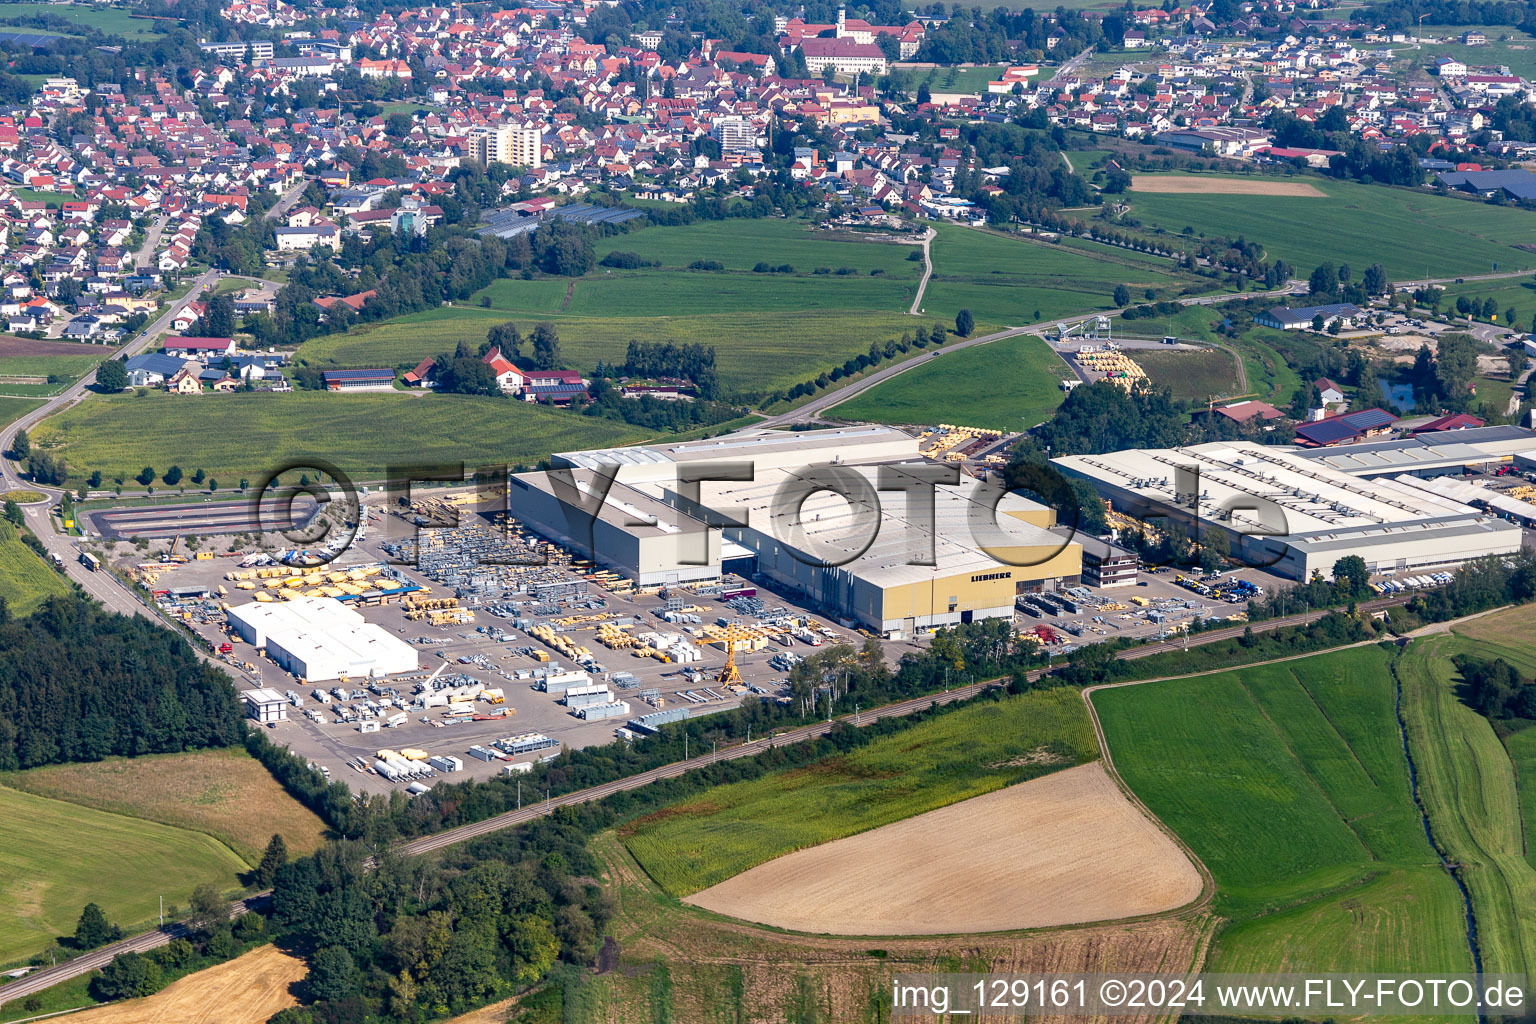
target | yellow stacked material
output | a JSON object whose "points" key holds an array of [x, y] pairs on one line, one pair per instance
{"points": [[450, 616], [744, 638], [332, 591], [263, 596], [413, 753], [385, 754], [246, 585], [1114, 364], [613, 637], [1525, 492]]}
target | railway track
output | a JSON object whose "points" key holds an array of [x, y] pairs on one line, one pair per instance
{"points": [[47, 977]]}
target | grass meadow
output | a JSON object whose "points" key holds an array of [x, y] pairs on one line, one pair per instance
{"points": [[1517, 51], [246, 435], [1514, 292], [226, 794], [771, 331], [1197, 376], [1469, 786], [68, 368], [15, 408], [1289, 781], [1006, 385], [111, 20], [1010, 282], [1409, 232], [60, 856], [699, 842], [26, 581]]}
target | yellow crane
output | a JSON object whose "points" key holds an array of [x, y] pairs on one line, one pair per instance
{"points": [[730, 675]]}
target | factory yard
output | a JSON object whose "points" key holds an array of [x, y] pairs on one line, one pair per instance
{"points": [[1068, 848], [499, 637]]}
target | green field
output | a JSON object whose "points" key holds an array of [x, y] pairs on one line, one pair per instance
{"points": [[972, 80], [771, 331], [695, 844], [111, 20], [1009, 281], [1409, 232], [1289, 781], [15, 408], [1005, 385], [1468, 784], [1518, 52], [26, 581], [68, 368], [1196, 376], [246, 435], [1516, 292], [58, 857]]}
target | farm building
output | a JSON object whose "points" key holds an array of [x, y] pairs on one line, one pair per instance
{"points": [[359, 380], [1345, 429], [1294, 513], [1287, 319], [321, 638], [902, 555]]}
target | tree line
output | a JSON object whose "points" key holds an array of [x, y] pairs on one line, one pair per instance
{"points": [[79, 683]]}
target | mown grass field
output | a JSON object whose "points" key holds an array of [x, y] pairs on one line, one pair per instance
{"points": [[1518, 293], [1006, 385], [247, 435], [770, 331], [1408, 232], [694, 844], [952, 79], [15, 408], [1011, 282], [224, 793], [1195, 376], [1289, 781], [1517, 52], [26, 581], [111, 20], [58, 857], [68, 368], [1468, 784]]}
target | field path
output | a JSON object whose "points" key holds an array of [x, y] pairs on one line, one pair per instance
{"points": [[917, 300]]}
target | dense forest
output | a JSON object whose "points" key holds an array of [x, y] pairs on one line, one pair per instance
{"points": [[79, 683]]}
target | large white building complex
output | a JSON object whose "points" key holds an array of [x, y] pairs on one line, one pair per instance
{"points": [[886, 545], [1300, 512], [319, 638]]}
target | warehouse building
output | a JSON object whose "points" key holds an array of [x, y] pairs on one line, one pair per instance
{"points": [[1443, 453], [319, 638], [1294, 514], [889, 548]]}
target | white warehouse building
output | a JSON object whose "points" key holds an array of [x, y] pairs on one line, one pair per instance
{"points": [[318, 638], [1293, 513]]}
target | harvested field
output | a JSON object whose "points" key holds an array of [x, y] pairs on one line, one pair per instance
{"points": [[1187, 184], [247, 990], [722, 970], [224, 793], [1065, 849]]}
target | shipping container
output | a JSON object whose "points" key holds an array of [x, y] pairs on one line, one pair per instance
{"points": [[480, 753]]}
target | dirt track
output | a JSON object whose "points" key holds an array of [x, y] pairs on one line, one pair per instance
{"points": [[247, 990], [1064, 849], [1198, 184]]}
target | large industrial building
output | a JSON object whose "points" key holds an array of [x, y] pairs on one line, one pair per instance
{"points": [[884, 559], [319, 638], [1300, 512]]}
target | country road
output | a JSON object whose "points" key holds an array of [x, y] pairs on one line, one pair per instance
{"points": [[538, 808], [922, 286]]}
